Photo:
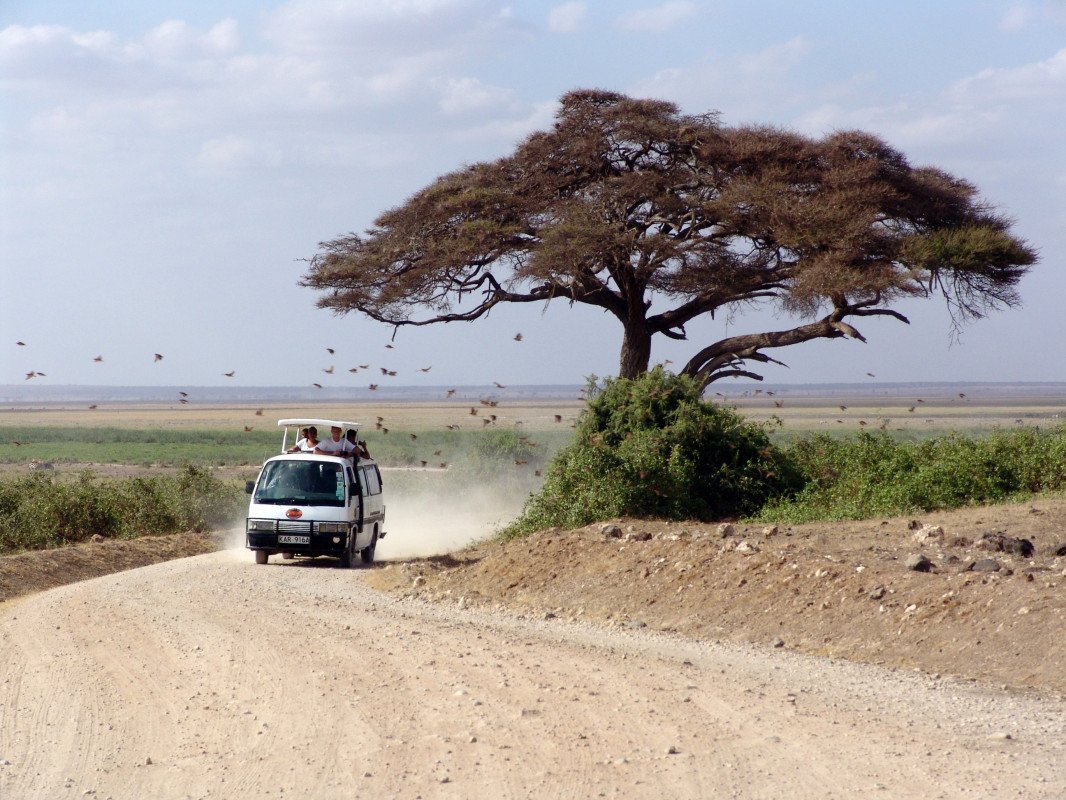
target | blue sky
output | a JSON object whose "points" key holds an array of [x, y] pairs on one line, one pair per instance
{"points": [[165, 166]]}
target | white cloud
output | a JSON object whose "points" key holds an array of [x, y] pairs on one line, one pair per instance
{"points": [[235, 151], [656, 20], [775, 60], [567, 18], [1042, 80], [465, 95]]}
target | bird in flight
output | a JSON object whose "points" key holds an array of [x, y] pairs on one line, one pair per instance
{"points": [[184, 394], [473, 412], [353, 369], [31, 374], [388, 347], [843, 408], [230, 374], [373, 387], [247, 429], [558, 417], [317, 385], [158, 357], [413, 436], [98, 358], [451, 392], [330, 350], [518, 337], [92, 406], [329, 371], [779, 403], [364, 366], [426, 369], [498, 385], [452, 427], [259, 412], [20, 344]]}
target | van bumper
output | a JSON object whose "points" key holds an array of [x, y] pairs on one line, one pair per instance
{"points": [[307, 542]]}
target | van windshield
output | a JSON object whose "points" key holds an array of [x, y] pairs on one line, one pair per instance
{"points": [[301, 483]]}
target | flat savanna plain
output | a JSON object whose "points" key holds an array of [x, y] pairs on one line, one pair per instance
{"points": [[921, 411]]}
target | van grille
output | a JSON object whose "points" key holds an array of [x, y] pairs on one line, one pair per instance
{"points": [[293, 526]]}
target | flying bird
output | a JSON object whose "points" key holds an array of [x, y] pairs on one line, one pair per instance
{"points": [[452, 427], [911, 409], [381, 419], [317, 385], [98, 358], [486, 421], [92, 406], [843, 408], [353, 369], [521, 462], [183, 401], [158, 357], [230, 374], [329, 371], [450, 392], [383, 371], [364, 366], [498, 385], [384, 430], [473, 412], [31, 374], [436, 452], [184, 394], [779, 403], [558, 417], [20, 344], [413, 436], [518, 337], [423, 463], [426, 369], [373, 387], [259, 412], [247, 429], [388, 347], [870, 374], [444, 465], [330, 350]]}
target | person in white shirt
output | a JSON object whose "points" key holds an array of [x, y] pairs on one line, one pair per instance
{"points": [[335, 445]]}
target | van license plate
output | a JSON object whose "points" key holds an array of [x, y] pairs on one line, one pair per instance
{"points": [[283, 539]]}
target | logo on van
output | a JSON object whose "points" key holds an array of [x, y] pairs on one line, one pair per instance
{"points": [[294, 513]]}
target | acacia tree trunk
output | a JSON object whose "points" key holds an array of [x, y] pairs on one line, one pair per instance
{"points": [[636, 351]]}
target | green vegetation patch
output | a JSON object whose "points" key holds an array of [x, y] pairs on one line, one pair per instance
{"points": [[873, 475], [39, 511], [652, 447]]}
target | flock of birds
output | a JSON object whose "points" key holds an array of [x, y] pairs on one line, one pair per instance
{"points": [[488, 419]]}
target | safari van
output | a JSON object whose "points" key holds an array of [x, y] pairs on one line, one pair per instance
{"points": [[305, 504]]}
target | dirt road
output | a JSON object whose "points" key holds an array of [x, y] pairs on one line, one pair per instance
{"points": [[213, 677]]}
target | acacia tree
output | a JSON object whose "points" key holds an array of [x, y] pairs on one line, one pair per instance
{"points": [[660, 217]]}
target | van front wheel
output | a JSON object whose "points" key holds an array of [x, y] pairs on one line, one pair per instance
{"points": [[261, 556]]}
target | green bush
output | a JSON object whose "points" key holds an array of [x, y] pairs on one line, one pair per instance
{"points": [[653, 447], [37, 511], [871, 475]]}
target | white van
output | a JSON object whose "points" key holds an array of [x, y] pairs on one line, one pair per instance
{"points": [[305, 504]]}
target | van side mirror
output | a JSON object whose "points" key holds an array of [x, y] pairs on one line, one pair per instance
{"points": [[249, 487]]}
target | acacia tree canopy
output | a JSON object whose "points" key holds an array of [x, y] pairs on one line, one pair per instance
{"points": [[659, 217]]}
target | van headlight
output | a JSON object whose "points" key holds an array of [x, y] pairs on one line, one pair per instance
{"points": [[260, 524], [333, 527]]}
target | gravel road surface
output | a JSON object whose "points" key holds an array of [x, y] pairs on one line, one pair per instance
{"points": [[211, 677]]}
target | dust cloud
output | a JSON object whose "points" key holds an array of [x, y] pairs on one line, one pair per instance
{"points": [[429, 520]]}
